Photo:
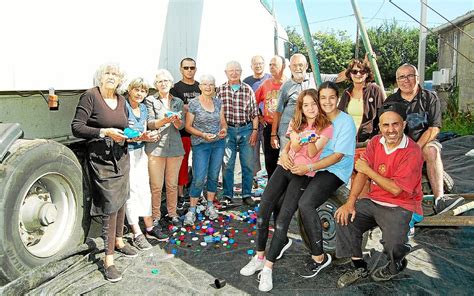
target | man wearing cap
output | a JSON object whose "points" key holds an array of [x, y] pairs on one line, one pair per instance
{"points": [[423, 125], [393, 163]]}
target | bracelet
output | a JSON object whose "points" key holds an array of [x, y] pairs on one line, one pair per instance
{"points": [[310, 167], [273, 136], [255, 129]]}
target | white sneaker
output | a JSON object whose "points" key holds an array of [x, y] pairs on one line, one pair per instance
{"points": [[189, 218], [211, 212], [288, 244], [253, 266], [266, 281]]}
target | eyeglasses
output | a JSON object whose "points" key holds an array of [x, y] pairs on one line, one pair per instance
{"points": [[355, 71], [162, 81], [192, 68], [234, 70], [208, 85], [406, 77]]}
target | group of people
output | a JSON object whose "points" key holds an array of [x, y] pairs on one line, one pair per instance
{"points": [[309, 138], [386, 183]]}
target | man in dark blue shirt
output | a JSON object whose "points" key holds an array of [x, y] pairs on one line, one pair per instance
{"points": [[423, 126]]}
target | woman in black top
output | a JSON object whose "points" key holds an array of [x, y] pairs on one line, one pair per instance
{"points": [[101, 117]]}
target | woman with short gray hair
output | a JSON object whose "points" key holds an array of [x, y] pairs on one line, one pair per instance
{"points": [[206, 123], [165, 155]]}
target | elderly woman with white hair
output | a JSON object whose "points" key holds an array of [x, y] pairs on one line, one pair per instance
{"points": [[206, 123], [165, 155], [101, 117]]}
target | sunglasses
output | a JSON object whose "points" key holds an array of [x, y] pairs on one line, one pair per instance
{"points": [[189, 68], [354, 72]]}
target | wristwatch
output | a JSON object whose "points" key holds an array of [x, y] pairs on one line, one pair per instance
{"points": [[102, 133]]}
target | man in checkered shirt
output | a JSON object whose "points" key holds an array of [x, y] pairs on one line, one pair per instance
{"points": [[240, 112]]}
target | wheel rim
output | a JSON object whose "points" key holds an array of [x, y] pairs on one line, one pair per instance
{"points": [[47, 215]]}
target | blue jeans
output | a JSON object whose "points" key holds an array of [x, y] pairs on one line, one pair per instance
{"points": [[238, 138], [207, 161]]}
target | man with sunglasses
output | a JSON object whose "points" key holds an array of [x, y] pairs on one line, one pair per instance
{"points": [[185, 89], [423, 126]]}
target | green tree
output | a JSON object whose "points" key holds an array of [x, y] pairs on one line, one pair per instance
{"points": [[334, 49], [297, 41], [395, 45]]}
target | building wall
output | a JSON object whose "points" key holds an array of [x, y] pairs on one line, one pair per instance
{"points": [[466, 69], [461, 70]]}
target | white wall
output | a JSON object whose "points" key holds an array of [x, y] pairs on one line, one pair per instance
{"points": [[54, 43]]}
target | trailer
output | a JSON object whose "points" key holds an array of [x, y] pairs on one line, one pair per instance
{"points": [[52, 44]]}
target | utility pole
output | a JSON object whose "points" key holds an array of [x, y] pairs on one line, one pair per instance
{"points": [[367, 45], [422, 42], [313, 58], [357, 44]]}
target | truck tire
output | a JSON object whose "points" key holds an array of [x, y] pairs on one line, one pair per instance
{"points": [[41, 205], [326, 214]]}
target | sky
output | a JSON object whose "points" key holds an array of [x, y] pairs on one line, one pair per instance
{"points": [[338, 14]]}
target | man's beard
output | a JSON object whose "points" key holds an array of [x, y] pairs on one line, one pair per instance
{"points": [[298, 77]]}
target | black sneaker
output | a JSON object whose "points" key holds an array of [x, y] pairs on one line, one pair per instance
{"points": [[352, 276], [181, 203], [226, 201], [140, 242], [157, 224], [248, 201], [157, 233], [285, 247], [312, 268], [176, 222], [383, 273], [446, 203], [127, 251], [112, 274]]}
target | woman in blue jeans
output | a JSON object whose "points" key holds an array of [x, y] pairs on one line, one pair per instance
{"points": [[206, 123]]}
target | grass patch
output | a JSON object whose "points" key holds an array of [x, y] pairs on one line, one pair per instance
{"points": [[460, 122]]}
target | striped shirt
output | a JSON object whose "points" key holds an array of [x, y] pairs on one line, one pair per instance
{"points": [[239, 106]]}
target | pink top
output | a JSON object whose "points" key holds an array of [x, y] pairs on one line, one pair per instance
{"points": [[301, 157]]}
